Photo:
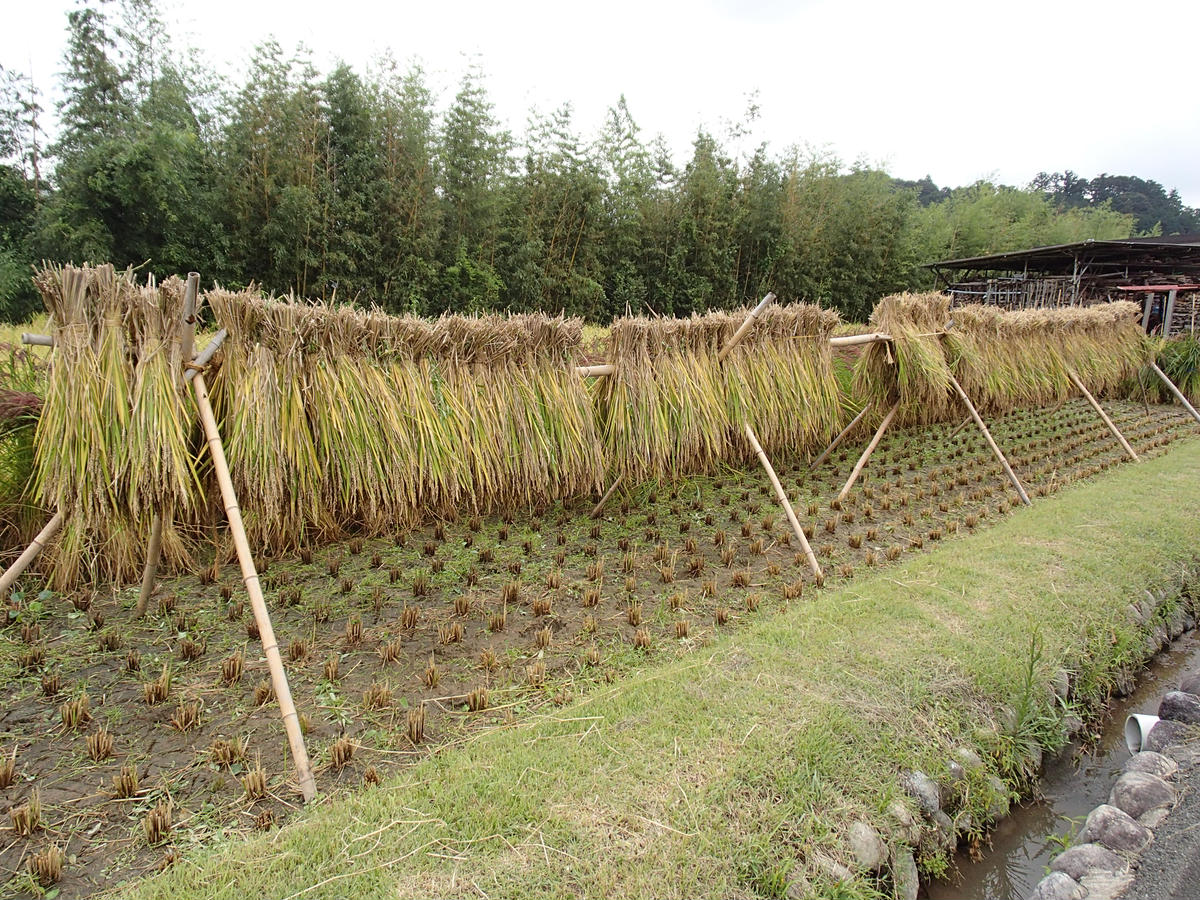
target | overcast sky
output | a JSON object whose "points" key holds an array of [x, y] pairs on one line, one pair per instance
{"points": [[958, 90]]}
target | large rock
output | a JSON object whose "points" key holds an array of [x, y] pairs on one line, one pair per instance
{"points": [[906, 880], [1138, 793], [1001, 798], [924, 790], [1164, 734], [1103, 886], [1084, 859], [1190, 683], [1116, 830], [1058, 886], [1152, 764], [907, 829], [1060, 684], [867, 846], [1179, 706]]}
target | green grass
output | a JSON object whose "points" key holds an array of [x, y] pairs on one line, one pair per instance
{"points": [[731, 771]]}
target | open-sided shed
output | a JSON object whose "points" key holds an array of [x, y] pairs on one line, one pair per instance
{"points": [[1162, 274]]}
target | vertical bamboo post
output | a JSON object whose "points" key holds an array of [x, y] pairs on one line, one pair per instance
{"points": [[150, 572], [1174, 390], [13, 572], [785, 503], [1012, 476], [862, 460], [841, 435], [1103, 415], [187, 341], [262, 617]]}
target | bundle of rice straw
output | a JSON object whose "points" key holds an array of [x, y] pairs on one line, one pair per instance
{"points": [[114, 440], [333, 416], [913, 370], [671, 408], [1006, 360]]}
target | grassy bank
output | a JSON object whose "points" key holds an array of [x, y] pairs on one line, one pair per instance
{"points": [[736, 770]]}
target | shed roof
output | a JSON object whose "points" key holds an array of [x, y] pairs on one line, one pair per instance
{"points": [[1179, 253]]}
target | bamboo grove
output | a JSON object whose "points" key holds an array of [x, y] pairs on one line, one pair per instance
{"points": [[338, 420]]}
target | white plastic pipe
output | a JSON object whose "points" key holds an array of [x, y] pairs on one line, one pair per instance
{"points": [[1137, 730]]}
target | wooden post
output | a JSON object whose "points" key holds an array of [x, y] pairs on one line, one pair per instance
{"points": [[1012, 476], [745, 327], [785, 503], [1103, 415], [1174, 390], [837, 440], [187, 341], [862, 460], [13, 572], [262, 617], [600, 506]]}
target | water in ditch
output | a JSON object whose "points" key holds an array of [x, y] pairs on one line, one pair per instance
{"points": [[1073, 784]]}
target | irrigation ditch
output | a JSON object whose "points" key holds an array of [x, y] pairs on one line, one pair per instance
{"points": [[1021, 847]]}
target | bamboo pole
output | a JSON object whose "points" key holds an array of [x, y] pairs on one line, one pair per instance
{"points": [[600, 506], [262, 617], [13, 572], [841, 435], [862, 460], [851, 340], [597, 370], [150, 572], [187, 341], [961, 425], [785, 503], [987, 435], [1176, 391], [745, 327], [1103, 415]]}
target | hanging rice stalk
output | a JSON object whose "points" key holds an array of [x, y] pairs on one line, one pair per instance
{"points": [[337, 417], [912, 370], [671, 408], [113, 443], [1006, 360]]}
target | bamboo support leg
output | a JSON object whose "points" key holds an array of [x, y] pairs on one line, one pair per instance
{"points": [[150, 573], [1176, 391], [745, 326], [862, 460], [841, 436], [785, 503], [961, 425], [279, 682], [13, 572], [1103, 415], [603, 500], [987, 435]]}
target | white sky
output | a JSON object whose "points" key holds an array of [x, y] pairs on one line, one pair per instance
{"points": [[958, 90]]}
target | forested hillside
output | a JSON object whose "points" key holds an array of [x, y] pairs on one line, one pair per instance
{"points": [[367, 185]]}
